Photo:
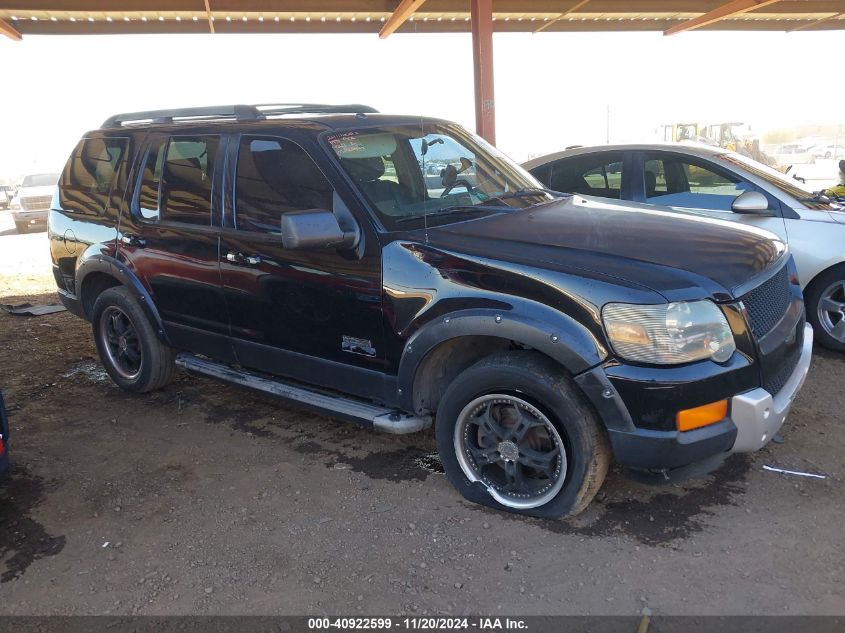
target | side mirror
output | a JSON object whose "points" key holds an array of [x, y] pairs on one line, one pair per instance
{"points": [[751, 202], [315, 229]]}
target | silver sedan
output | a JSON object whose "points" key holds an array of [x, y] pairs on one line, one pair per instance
{"points": [[702, 179]]}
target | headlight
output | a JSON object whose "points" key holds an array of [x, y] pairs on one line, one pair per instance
{"points": [[15, 203], [669, 333]]}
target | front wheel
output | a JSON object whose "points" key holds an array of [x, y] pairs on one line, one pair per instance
{"points": [[514, 434], [127, 343], [825, 304]]}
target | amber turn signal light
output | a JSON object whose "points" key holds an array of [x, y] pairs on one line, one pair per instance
{"points": [[689, 419]]}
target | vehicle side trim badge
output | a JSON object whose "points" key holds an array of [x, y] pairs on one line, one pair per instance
{"points": [[355, 345]]}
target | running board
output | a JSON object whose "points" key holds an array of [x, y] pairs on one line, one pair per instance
{"points": [[350, 409]]}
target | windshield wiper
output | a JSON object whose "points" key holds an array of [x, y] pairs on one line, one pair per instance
{"points": [[523, 193], [471, 208], [458, 209], [819, 196]]}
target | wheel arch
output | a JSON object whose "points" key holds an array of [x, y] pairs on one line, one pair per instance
{"points": [[442, 349], [823, 270], [97, 274]]}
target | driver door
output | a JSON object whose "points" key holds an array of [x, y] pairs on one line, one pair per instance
{"points": [[315, 314]]}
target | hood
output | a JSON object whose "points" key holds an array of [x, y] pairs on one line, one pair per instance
{"points": [[32, 192], [680, 256], [837, 212]]}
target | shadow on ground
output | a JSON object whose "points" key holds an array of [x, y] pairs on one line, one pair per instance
{"points": [[23, 540]]}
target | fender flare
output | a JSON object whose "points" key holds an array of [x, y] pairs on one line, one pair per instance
{"points": [[559, 337], [124, 275]]}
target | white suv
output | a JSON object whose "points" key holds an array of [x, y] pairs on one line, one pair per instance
{"points": [[30, 207]]}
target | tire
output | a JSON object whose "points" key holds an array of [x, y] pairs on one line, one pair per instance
{"points": [[524, 386], [825, 304], [129, 349], [21, 227]]}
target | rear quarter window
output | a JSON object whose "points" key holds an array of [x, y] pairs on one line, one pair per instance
{"points": [[88, 179]]}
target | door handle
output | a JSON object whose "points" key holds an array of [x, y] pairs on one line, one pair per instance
{"points": [[239, 259], [132, 240]]}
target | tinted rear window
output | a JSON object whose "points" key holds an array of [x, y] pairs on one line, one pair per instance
{"points": [[186, 182], [176, 180], [88, 178]]}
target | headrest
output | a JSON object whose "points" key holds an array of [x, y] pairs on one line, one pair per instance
{"points": [[365, 169], [650, 180]]}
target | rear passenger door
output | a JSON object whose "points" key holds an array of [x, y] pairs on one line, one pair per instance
{"points": [[314, 315], [170, 238], [600, 174]]}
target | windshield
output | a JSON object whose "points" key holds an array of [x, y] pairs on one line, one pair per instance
{"points": [[425, 175], [785, 183], [40, 180]]}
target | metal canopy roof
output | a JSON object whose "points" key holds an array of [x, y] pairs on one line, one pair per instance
{"points": [[88, 17]]}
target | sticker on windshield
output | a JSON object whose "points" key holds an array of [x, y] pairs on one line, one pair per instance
{"points": [[345, 143]]}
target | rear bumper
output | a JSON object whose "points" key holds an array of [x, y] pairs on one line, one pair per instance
{"points": [[73, 305]]}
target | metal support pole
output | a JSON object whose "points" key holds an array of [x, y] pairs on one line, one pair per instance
{"points": [[481, 12]]}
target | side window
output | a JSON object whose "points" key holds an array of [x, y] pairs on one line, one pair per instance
{"points": [[186, 179], [87, 180], [275, 176], [148, 191], [592, 175], [678, 182], [542, 173], [655, 179]]}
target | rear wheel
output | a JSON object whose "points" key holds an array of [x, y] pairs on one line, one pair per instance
{"points": [[514, 434], [128, 346], [825, 300]]}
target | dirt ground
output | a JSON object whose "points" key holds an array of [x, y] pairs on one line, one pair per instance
{"points": [[208, 499]]}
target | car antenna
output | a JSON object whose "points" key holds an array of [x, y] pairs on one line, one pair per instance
{"points": [[425, 187]]}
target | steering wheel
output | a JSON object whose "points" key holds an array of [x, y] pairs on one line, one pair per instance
{"points": [[457, 183], [450, 180]]}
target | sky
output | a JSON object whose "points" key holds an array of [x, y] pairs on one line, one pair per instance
{"points": [[552, 89]]}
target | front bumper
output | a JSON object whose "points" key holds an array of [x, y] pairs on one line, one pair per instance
{"points": [[758, 415], [754, 417], [31, 218]]}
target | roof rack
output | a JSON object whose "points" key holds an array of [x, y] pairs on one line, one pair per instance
{"points": [[237, 112]]}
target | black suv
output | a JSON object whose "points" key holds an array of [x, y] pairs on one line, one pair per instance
{"points": [[394, 270]]}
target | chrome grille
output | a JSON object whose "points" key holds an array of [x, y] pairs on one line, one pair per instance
{"points": [[36, 203], [767, 303]]}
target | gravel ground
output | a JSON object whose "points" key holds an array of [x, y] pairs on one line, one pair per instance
{"points": [[208, 499]]}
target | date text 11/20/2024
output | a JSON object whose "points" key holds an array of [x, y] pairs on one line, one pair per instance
{"points": [[417, 624]]}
